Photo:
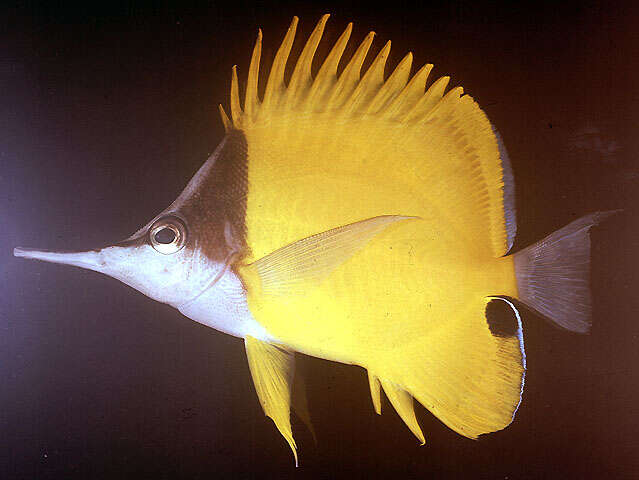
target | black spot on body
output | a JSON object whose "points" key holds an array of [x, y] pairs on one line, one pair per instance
{"points": [[501, 319]]}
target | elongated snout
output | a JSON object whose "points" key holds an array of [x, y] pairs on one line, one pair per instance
{"points": [[167, 278], [90, 260]]}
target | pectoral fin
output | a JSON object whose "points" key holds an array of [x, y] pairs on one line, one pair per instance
{"points": [[301, 265], [272, 369]]}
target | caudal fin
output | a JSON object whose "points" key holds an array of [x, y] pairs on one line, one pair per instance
{"points": [[553, 275]]}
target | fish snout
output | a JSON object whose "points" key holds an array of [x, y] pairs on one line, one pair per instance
{"points": [[91, 260]]}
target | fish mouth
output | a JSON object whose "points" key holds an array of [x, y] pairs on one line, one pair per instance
{"points": [[90, 260]]}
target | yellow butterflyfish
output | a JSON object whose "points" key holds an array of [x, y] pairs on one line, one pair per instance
{"points": [[362, 218]]}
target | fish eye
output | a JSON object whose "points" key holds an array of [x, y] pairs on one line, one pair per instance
{"points": [[168, 235]]}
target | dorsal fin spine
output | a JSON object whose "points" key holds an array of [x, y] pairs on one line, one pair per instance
{"points": [[397, 98], [452, 96], [275, 82], [225, 118], [372, 80], [301, 78], [327, 74], [251, 100], [429, 99], [349, 78], [393, 85], [410, 93], [236, 109]]}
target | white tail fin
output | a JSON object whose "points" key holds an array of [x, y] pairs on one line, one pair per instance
{"points": [[553, 275]]}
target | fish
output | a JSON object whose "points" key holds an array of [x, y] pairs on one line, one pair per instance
{"points": [[363, 218]]}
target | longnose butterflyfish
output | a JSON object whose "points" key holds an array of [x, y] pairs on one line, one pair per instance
{"points": [[366, 219]]}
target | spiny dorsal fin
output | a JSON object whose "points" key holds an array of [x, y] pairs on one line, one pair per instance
{"points": [[350, 93]]}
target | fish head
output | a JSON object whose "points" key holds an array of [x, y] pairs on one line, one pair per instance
{"points": [[187, 248], [163, 260]]}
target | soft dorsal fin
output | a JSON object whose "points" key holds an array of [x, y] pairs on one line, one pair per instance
{"points": [[272, 369], [303, 264]]}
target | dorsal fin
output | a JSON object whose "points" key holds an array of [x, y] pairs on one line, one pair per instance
{"points": [[275, 83], [436, 132], [301, 78], [351, 93]]}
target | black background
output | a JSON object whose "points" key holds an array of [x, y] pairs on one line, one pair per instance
{"points": [[108, 110]]}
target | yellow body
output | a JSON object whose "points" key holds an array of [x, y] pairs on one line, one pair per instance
{"points": [[411, 279], [409, 306]]}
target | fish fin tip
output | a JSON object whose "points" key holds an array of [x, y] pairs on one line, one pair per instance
{"points": [[402, 401], [236, 109], [272, 370]]}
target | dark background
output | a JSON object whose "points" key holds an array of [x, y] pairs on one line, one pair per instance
{"points": [[108, 110]]}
